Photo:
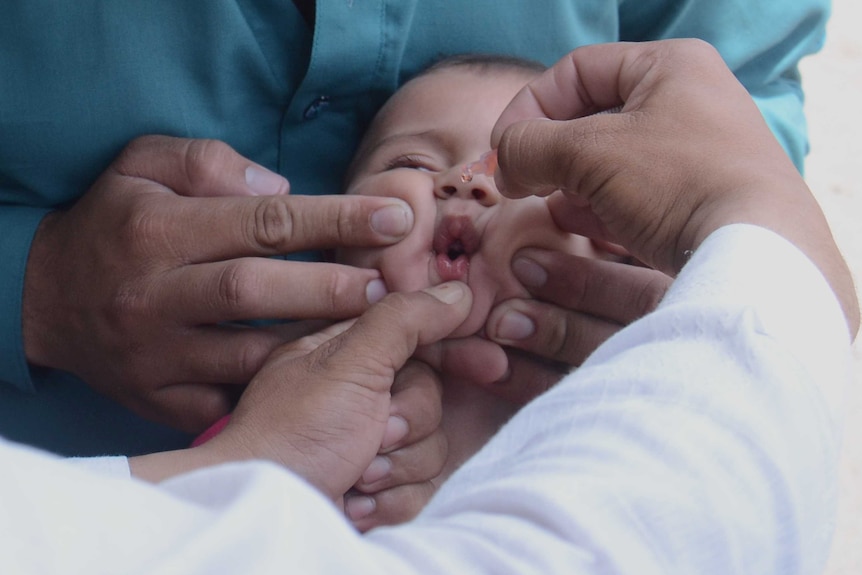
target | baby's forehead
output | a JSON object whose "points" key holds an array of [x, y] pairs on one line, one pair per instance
{"points": [[417, 97], [444, 83]]}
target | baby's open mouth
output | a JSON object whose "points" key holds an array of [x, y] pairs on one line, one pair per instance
{"points": [[455, 241], [455, 250]]}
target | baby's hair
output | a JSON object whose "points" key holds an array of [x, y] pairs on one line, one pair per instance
{"points": [[484, 63]]}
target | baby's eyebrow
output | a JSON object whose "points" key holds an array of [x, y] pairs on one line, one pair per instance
{"points": [[433, 137]]}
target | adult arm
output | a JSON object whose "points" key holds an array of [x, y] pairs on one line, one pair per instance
{"points": [[666, 453], [702, 438], [594, 183], [578, 304]]}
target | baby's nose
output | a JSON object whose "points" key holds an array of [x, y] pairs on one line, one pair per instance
{"points": [[481, 188]]}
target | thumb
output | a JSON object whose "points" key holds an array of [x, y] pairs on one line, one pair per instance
{"points": [[382, 340], [572, 157]]}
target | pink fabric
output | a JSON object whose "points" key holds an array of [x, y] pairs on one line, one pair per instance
{"points": [[211, 432]]}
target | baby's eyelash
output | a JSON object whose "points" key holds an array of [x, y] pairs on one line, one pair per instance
{"points": [[408, 161]]}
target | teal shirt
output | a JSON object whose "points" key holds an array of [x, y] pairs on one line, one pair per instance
{"points": [[78, 80]]}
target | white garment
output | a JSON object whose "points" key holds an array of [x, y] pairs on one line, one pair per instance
{"points": [[701, 439]]}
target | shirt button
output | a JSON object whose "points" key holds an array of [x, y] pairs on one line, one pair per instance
{"points": [[318, 105]]}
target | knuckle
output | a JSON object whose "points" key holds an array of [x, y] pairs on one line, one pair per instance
{"points": [[134, 148], [417, 377], [207, 409], [128, 304], [142, 227], [563, 337], [352, 220], [650, 294], [236, 285], [272, 226], [344, 218], [249, 360], [204, 159], [339, 291], [440, 452], [396, 303]]}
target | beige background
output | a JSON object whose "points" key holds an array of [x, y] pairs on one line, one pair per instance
{"points": [[833, 86]]}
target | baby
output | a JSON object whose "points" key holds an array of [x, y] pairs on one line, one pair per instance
{"points": [[416, 149]]}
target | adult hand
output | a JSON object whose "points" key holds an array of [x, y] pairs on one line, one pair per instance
{"points": [[398, 482], [629, 178], [414, 448], [577, 303], [134, 287], [320, 405]]}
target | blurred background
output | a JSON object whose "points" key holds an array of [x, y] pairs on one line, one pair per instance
{"points": [[833, 86]]}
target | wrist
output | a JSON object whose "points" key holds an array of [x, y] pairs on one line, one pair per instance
{"points": [[37, 309], [156, 467]]}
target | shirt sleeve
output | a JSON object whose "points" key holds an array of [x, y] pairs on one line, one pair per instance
{"points": [[701, 439], [762, 42], [110, 465], [18, 225]]}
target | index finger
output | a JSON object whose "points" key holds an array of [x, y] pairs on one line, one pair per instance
{"points": [[615, 291], [269, 225]]}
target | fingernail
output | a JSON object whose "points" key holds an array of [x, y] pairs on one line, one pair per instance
{"points": [[359, 506], [504, 378], [449, 292], [529, 272], [396, 430], [393, 220], [262, 182], [515, 326], [378, 469], [375, 290]]}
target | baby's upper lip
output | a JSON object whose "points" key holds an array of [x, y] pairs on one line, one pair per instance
{"points": [[456, 236]]}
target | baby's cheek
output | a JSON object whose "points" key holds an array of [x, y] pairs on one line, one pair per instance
{"points": [[491, 284]]}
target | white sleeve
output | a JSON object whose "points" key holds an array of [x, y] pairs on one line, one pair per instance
{"points": [[701, 439], [112, 465]]}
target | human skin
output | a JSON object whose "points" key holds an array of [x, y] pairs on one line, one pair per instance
{"points": [[416, 151], [657, 82], [548, 298], [602, 163], [466, 231]]}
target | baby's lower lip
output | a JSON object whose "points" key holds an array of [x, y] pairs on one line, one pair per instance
{"points": [[450, 269]]}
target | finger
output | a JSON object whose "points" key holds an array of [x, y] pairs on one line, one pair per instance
{"points": [[224, 354], [615, 291], [236, 227], [472, 358], [262, 288], [293, 330], [386, 336], [547, 330], [582, 83], [416, 408], [198, 168], [538, 157], [420, 461], [189, 407], [389, 507], [528, 377]]}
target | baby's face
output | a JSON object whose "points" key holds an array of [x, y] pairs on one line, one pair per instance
{"points": [[463, 231]]}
